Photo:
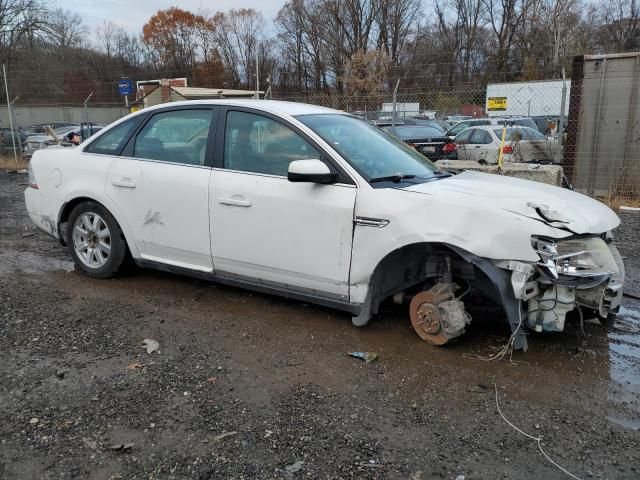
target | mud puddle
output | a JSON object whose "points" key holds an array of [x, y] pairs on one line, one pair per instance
{"points": [[29, 262], [624, 364]]}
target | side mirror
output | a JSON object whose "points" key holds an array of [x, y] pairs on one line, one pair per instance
{"points": [[312, 171]]}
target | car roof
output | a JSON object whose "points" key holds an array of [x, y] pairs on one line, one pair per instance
{"points": [[272, 106], [493, 128]]}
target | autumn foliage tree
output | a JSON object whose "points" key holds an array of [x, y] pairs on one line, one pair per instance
{"points": [[185, 42], [172, 34]]}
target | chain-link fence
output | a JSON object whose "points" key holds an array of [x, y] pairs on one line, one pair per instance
{"points": [[589, 123]]}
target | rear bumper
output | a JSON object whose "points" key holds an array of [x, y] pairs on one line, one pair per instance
{"points": [[43, 211]]}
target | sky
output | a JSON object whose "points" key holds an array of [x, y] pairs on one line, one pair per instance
{"points": [[133, 14]]}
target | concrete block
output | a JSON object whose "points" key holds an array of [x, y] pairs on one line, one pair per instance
{"points": [[549, 174]]}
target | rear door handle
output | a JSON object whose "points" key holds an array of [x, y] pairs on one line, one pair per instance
{"points": [[477, 146], [124, 182], [236, 200]]}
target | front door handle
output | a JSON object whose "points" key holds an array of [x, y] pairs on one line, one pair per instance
{"points": [[236, 200], [124, 182]]}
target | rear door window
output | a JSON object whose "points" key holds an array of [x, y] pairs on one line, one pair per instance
{"points": [[464, 136], [480, 136], [531, 134], [177, 136]]}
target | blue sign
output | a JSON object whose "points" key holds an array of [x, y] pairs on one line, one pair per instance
{"points": [[125, 87]]}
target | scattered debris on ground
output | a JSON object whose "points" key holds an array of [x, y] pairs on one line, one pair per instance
{"points": [[368, 357]]}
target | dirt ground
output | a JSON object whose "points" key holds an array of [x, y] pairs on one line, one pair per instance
{"points": [[275, 377]]}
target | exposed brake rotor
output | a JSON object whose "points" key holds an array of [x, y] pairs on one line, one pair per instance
{"points": [[425, 316], [436, 316]]}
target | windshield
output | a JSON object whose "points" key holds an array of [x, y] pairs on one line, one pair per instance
{"points": [[372, 152], [458, 127], [414, 132]]}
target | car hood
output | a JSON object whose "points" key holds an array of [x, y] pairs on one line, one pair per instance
{"points": [[557, 207]]}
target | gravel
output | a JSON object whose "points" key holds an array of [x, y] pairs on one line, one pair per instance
{"points": [[252, 386]]}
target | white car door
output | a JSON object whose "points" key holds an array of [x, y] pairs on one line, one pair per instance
{"points": [[160, 184], [269, 230], [462, 139], [479, 147]]}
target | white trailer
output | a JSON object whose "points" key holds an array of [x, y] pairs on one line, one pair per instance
{"points": [[531, 99], [403, 109]]}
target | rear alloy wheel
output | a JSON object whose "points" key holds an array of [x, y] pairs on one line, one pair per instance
{"points": [[91, 239], [95, 240]]}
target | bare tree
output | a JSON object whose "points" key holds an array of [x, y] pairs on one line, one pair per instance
{"points": [[106, 37], [396, 18], [302, 38], [505, 18], [65, 29], [19, 19], [238, 35], [619, 25]]}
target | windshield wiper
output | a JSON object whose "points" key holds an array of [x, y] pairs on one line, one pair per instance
{"points": [[397, 178], [442, 173]]}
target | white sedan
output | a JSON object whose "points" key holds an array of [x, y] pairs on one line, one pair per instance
{"points": [[315, 204], [522, 144]]}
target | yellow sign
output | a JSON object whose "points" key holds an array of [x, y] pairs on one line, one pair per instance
{"points": [[496, 104]]}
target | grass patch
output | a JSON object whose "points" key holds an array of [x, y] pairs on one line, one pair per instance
{"points": [[8, 163], [615, 202]]}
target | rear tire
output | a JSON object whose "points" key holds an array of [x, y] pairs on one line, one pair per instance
{"points": [[95, 240]]}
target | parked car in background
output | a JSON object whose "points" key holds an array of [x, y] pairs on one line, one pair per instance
{"points": [[41, 128], [386, 122], [522, 144], [317, 205], [548, 125], [453, 119], [6, 141], [477, 122], [428, 140], [44, 140], [426, 122], [62, 136]]}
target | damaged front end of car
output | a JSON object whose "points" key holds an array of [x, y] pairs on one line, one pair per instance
{"points": [[575, 272], [583, 273], [478, 244]]}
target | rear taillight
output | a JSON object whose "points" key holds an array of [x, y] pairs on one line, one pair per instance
{"points": [[32, 179], [449, 147], [506, 149]]}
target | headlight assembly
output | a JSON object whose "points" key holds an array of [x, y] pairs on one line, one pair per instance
{"points": [[576, 258]]}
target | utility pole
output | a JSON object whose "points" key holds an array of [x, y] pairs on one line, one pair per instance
{"points": [[395, 101], [13, 113], [257, 76], [86, 109], [13, 137], [560, 128]]}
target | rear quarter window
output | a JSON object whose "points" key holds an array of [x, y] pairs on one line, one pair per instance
{"points": [[113, 141]]}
